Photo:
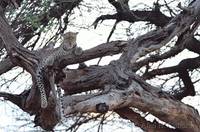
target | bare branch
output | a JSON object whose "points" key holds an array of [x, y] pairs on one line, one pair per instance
{"points": [[141, 122]]}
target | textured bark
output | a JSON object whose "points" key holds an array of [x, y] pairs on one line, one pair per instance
{"points": [[139, 94], [115, 86], [168, 110], [139, 121]]}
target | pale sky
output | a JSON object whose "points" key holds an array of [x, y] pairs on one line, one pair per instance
{"points": [[87, 38]]}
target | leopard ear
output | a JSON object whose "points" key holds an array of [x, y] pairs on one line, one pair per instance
{"points": [[76, 33]]}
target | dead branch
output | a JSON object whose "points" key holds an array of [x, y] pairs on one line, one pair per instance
{"points": [[141, 122]]}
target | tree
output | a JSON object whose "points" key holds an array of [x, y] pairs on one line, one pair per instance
{"points": [[123, 86]]}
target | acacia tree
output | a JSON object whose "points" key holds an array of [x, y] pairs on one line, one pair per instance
{"points": [[121, 86]]}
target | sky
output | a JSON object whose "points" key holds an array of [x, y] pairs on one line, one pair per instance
{"points": [[88, 37]]}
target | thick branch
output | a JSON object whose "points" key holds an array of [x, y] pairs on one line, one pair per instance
{"points": [[26, 31], [147, 16], [168, 110], [155, 58], [46, 118], [5, 66], [154, 40], [141, 122], [190, 64], [105, 49]]}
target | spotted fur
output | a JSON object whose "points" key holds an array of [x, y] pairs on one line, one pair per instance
{"points": [[60, 102], [69, 41]]}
